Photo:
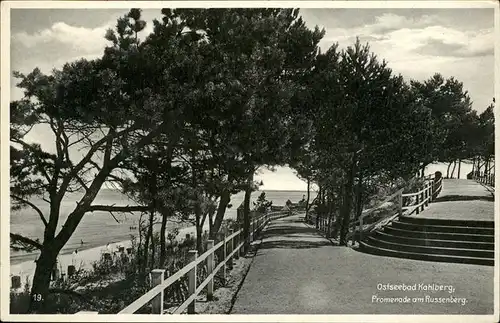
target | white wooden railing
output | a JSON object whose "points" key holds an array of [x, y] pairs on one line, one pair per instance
{"points": [[423, 197], [232, 245], [488, 179], [357, 227]]}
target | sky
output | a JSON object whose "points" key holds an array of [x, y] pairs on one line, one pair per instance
{"points": [[415, 42]]}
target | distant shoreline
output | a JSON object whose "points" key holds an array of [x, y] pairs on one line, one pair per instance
{"points": [[22, 257], [84, 258]]}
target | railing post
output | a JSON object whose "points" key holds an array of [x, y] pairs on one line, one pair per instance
{"points": [[241, 239], [360, 229], [418, 202], [224, 255], [157, 276], [236, 244], [193, 254], [230, 261], [210, 269], [251, 231], [422, 200], [400, 203]]}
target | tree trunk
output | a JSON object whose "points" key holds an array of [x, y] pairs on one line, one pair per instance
{"points": [[53, 245], [359, 196], [199, 238], [319, 198], [308, 197], [330, 212], [139, 246], [454, 166], [346, 209], [41, 280], [225, 198], [337, 223], [458, 173], [153, 251], [166, 212], [199, 226], [163, 240], [448, 170], [149, 236], [246, 213]]}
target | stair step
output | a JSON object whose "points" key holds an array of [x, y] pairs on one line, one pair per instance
{"points": [[442, 228], [430, 250], [439, 235], [365, 247], [460, 223], [434, 242]]}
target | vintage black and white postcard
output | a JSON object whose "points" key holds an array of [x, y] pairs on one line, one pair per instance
{"points": [[249, 161]]}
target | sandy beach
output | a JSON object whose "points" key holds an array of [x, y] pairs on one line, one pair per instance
{"points": [[82, 259]]}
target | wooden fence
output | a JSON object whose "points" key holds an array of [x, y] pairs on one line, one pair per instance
{"points": [[488, 179], [359, 226], [231, 245]]}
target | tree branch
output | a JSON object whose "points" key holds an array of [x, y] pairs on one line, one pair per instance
{"points": [[82, 182], [33, 206], [113, 208], [95, 147], [25, 241], [31, 148]]}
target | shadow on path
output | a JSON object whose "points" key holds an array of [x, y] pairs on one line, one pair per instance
{"points": [[448, 198], [281, 230], [293, 244], [490, 189], [291, 233]]}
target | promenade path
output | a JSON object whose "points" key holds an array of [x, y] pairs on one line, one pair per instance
{"points": [[462, 199], [297, 271]]}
